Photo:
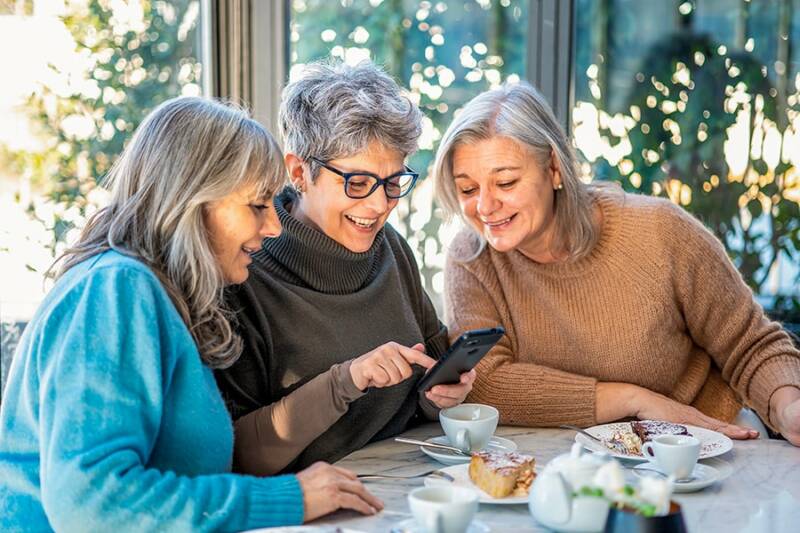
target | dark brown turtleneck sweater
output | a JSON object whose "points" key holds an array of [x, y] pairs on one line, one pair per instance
{"points": [[309, 307]]}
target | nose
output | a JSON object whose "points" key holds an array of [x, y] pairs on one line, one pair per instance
{"points": [[271, 226], [378, 201], [487, 203]]}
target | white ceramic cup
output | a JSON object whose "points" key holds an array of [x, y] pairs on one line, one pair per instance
{"points": [[443, 509], [673, 454], [469, 426]]}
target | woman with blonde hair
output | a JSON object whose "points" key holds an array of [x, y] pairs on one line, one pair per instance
{"points": [[615, 305], [111, 417]]}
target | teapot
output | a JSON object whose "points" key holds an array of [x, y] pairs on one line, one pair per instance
{"points": [[557, 500]]}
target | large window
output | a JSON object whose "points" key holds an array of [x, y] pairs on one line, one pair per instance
{"points": [[78, 77], [444, 52], [698, 101]]}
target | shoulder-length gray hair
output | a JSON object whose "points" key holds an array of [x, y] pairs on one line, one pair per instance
{"points": [[186, 153], [334, 110], [520, 112]]}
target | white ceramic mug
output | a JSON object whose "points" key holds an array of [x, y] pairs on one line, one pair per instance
{"points": [[443, 509], [469, 426], [674, 454]]}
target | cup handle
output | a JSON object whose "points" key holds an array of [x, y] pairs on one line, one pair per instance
{"points": [[647, 449], [462, 440], [433, 523]]}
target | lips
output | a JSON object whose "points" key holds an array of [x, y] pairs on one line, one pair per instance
{"points": [[364, 223], [497, 223]]}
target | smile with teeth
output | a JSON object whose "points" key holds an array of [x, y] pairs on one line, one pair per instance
{"points": [[496, 223], [362, 222], [249, 251]]}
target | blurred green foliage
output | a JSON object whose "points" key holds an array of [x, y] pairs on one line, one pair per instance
{"points": [[134, 59]]}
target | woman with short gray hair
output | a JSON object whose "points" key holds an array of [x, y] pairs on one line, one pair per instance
{"points": [[606, 297], [338, 329]]}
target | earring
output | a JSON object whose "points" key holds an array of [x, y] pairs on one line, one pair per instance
{"points": [[559, 187], [298, 187]]}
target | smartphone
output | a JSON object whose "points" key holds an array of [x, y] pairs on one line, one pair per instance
{"points": [[462, 356]]}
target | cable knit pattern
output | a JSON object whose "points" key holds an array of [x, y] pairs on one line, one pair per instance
{"points": [[657, 303]]}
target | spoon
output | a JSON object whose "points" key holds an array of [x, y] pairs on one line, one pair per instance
{"points": [[432, 445], [662, 474]]}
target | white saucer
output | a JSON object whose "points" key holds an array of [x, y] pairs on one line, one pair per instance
{"points": [[496, 444], [461, 478], [704, 476], [411, 526]]}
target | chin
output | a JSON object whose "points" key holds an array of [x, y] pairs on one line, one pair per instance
{"points": [[502, 244], [237, 278]]}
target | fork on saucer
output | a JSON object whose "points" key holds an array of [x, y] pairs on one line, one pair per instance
{"points": [[433, 473]]}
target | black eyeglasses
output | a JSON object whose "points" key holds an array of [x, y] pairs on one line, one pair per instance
{"points": [[362, 184]]}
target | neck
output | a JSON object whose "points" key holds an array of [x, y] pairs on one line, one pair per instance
{"points": [[543, 248]]}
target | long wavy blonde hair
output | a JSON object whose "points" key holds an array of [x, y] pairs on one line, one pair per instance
{"points": [[186, 153]]}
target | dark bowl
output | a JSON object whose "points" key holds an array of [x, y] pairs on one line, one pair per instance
{"points": [[627, 521]]}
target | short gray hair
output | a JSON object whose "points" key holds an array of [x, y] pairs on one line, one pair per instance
{"points": [[334, 110], [520, 112]]}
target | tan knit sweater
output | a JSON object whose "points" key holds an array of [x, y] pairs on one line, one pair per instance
{"points": [[657, 303]]}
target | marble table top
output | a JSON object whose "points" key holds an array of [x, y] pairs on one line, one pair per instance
{"points": [[762, 494]]}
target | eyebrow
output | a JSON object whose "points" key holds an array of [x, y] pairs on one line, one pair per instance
{"points": [[495, 170]]}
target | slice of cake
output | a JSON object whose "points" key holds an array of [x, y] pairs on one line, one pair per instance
{"points": [[502, 474], [647, 429], [624, 442]]}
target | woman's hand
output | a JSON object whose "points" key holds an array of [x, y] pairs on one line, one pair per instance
{"points": [[654, 406], [621, 400], [327, 488], [444, 396], [784, 412], [387, 365]]}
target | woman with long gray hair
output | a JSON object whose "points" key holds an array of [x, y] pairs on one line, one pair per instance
{"points": [[111, 418], [615, 305], [337, 327]]}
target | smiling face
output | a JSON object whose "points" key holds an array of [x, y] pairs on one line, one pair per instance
{"points": [[507, 196], [323, 204], [236, 225]]}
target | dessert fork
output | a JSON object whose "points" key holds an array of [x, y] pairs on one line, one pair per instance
{"points": [[582, 432], [432, 473]]}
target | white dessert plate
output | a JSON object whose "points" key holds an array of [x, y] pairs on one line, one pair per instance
{"points": [[712, 443], [461, 478], [411, 526], [496, 444], [702, 476]]}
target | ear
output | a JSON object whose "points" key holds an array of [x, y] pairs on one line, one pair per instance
{"points": [[296, 168], [555, 172]]}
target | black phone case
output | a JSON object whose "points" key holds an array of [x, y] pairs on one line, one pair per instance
{"points": [[462, 356]]}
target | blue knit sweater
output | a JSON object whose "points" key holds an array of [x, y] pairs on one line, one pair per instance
{"points": [[111, 422]]}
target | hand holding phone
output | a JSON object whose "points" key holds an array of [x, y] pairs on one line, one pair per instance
{"points": [[462, 357]]}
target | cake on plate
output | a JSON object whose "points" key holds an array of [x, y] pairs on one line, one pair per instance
{"points": [[647, 429], [502, 474]]}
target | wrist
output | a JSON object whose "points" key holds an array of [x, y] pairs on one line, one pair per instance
{"points": [[782, 397], [356, 376]]}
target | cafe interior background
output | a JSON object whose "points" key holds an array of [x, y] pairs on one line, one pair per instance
{"points": [[697, 101]]}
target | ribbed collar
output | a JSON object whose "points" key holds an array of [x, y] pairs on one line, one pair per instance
{"points": [[305, 256]]}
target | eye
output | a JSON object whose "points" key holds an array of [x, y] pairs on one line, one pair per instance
{"points": [[260, 207], [466, 191], [507, 184]]}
